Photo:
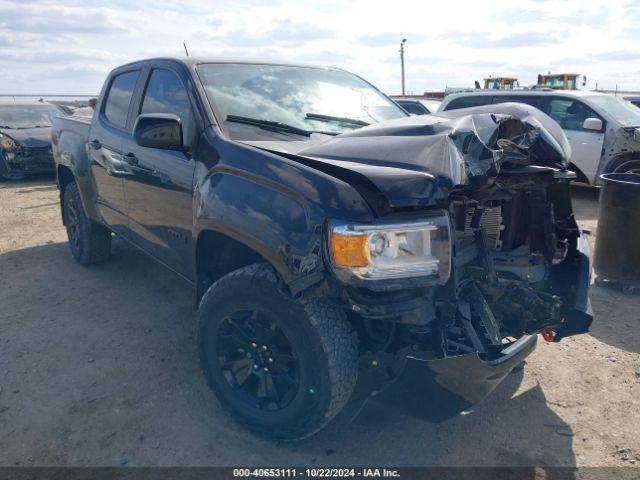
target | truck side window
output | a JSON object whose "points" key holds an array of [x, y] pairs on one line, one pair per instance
{"points": [[569, 113], [165, 93], [466, 102], [119, 97]]}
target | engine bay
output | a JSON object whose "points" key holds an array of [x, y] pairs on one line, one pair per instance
{"points": [[511, 240]]}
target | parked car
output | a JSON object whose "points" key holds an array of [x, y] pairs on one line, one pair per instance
{"points": [[320, 224], [601, 128], [25, 139], [418, 106], [633, 99]]}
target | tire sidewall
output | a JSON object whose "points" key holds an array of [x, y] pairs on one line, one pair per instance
{"points": [[314, 392], [71, 195], [624, 166]]}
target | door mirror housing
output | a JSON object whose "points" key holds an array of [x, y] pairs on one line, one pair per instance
{"points": [[159, 130], [594, 124]]}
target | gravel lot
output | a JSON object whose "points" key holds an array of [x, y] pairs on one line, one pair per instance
{"points": [[98, 366]]}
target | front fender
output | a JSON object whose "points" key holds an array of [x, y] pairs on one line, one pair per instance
{"points": [[272, 205]]}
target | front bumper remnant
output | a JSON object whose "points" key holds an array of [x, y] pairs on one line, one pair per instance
{"points": [[442, 388], [576, 276]]}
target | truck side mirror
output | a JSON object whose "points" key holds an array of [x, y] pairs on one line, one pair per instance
{"points": [[594, 124], [159, 130]]}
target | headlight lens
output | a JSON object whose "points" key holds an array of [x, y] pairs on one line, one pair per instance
{"points": [[7, 143], [393, 250]]}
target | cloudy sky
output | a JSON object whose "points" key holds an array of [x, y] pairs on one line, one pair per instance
{"points": [[67, 46]]}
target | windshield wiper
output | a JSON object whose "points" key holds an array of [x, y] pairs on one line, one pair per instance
{"points": [[330, 118], [269, 125]]}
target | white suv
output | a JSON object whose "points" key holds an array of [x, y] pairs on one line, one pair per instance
{"points": [[603, 130]]}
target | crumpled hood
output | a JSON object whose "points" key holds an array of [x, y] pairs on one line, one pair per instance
{"points": [[29, 137], [416, 161]]}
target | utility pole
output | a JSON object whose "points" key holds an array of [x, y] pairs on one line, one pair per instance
{"points": [[404, 40]]}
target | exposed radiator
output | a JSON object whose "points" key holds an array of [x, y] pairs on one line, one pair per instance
{"points": [[491, 220]]}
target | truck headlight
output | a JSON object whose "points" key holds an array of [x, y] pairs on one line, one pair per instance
{"points": [[393, 250]]}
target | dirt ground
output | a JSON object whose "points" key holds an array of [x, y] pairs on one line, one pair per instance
{"points": [[98, 366]]}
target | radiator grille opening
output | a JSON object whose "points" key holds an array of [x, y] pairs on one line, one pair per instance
{"points": [[491, 220]]}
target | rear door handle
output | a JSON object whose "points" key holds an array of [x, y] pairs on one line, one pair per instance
{"points": [[95, 143], [131, 159]]}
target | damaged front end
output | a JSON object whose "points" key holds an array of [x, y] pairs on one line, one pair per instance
{"points": [[519, 264], [25, 155]]}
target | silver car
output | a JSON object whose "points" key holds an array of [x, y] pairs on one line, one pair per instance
{"points": [[603, 130]]}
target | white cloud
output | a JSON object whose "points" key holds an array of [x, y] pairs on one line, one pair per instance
{"points": [[67, 46]]}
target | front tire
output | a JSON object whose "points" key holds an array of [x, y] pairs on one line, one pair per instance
{"points": [[283, 368], [89, 242]]}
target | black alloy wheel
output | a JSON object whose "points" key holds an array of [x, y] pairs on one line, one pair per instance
{"points": [[89, 241], [257, 360]]}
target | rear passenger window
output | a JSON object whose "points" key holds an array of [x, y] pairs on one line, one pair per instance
{"points": [[119, 97], [467, 102], [569, 113]]}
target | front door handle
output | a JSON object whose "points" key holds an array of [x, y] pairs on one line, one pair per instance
{"points": [[95, 143], [131, 159]]}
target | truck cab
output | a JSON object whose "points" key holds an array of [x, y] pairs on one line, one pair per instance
{"points": [[500, 83]]}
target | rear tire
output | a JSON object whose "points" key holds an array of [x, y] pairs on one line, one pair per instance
{"points": [[283, 368], [628, 166], [89, 242]]}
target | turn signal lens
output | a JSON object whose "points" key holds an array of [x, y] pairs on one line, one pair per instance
{"points": [[349, 250]]}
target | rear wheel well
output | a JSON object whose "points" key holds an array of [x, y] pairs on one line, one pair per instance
{"points": [[65, 177], [217, 255]]}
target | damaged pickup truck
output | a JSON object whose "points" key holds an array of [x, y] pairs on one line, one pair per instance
{"points": [[320, 225]]}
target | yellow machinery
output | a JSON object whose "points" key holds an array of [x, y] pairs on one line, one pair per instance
{"points": [[562, 81], [500, 83]]}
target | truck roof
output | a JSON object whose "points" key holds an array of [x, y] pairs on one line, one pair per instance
{"points": [[191, 61]]}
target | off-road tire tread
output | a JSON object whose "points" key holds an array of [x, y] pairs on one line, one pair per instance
{"points": [[95, 239], [334, 332]]}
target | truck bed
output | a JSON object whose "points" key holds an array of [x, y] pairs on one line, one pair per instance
{"points": [[69, 136]]}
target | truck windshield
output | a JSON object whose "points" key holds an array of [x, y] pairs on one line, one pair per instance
{"points": [[310, 99], [27, 116], [624, 112]]}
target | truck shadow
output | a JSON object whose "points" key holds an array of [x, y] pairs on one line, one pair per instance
{"points": [[113, 374], [508, 428]]}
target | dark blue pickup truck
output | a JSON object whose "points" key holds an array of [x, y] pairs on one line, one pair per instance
{"points": [[321, 225]]}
